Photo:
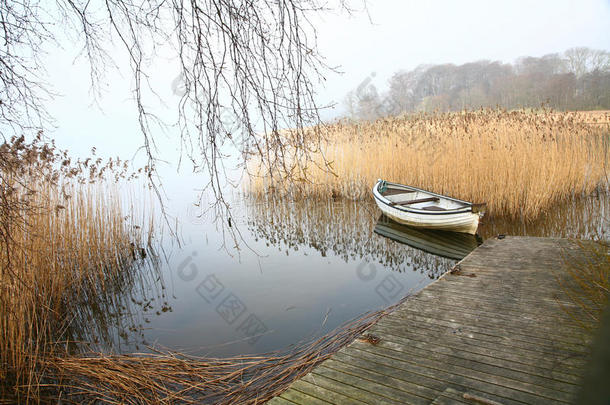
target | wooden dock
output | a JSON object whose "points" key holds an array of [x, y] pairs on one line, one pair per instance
{"points": [[495, 332]]}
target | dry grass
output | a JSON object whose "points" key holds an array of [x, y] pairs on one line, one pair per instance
{"points": [[163, 378], [519, 162], [598, 117]]}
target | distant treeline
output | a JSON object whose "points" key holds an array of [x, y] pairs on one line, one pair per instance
{"points": [[577, 79]]}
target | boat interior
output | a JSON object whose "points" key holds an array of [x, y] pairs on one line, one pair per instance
{"points": [[419, 200]]}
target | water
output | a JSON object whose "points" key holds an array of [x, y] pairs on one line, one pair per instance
{"points": [[296, 271]]}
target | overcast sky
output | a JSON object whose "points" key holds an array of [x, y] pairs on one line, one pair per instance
{"points": [[394, 35]]}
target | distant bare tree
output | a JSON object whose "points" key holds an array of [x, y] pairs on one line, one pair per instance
{"points": [[369, 103], [403, 86], [583, 60], [546, 65], [350, 102]]}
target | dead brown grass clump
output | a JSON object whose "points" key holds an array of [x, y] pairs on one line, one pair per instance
{"points": [[518, 162], [162, 378]]}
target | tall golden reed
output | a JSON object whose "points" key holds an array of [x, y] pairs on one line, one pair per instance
{"points": [[64, 242], [518, 162]]}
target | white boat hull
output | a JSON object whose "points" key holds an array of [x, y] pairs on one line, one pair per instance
{"points": [[466, 222], [462, 220]]}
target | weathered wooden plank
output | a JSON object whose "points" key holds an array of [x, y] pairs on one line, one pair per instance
{"points": [[477, 277], [488, 309], [505, 394], [493, 310], [300, 398], [570, 364], [506, 307], [523, 330], [452, 396], [511, 306], [337, 383], [319, 392], [424, 386], [504, 293], [516, 328], [478, 280], [388, 386], [463, 349], [486, 337], [371, 391], [483, 283], [472, 337], [471, 362], [496, 376], [431, 382], [280, 401]]}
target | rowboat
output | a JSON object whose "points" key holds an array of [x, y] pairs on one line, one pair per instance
{"points": [[424, 209], [451, 245]]}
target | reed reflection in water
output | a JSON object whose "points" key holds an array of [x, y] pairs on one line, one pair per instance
{"points": [[116, 320], [583, 217], [340, 228]]}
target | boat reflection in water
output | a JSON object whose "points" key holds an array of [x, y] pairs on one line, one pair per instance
{"points": [[451, 245]]}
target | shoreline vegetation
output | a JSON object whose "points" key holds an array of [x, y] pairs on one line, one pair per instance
{"points": [[67, 252], [520, 162]]}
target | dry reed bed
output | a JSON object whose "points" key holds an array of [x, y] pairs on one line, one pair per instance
{"points": [[62, 261], [65, 245], [519, 162], [599, 117]]}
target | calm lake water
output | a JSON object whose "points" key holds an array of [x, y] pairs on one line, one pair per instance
{"points": [[297, 271]]}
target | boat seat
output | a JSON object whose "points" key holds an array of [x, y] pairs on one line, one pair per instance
{"points": [[434, 208], [395, 191], [419, 200]]}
